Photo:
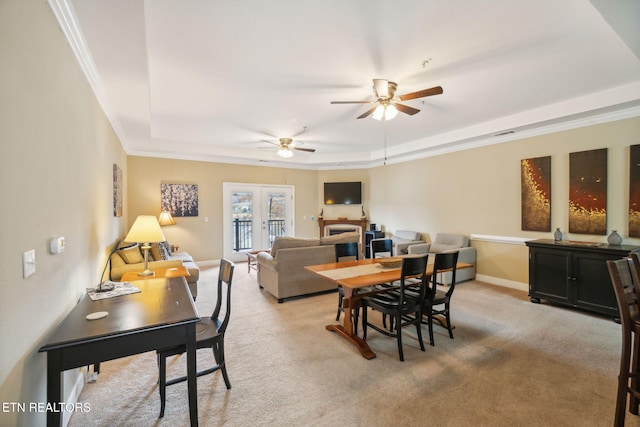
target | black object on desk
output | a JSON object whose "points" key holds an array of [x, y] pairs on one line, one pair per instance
{"points": [[161, 315]]}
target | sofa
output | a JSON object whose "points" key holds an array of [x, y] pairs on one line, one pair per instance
{"points": [[131, 258], [281, 271], [445, 242]]}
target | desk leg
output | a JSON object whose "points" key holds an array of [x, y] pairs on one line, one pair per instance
{"points": [[191, 374], [54, 387], [350, 302]]}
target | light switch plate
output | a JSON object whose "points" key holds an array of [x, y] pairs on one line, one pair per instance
{"points": [[28, 263]]}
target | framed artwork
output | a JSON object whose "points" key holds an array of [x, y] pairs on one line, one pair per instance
{"points": [[535, 191], [117, 191], [588, 192], [180, 199], [634, 191]]}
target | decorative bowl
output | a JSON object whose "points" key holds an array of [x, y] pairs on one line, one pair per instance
{"points": [[390, 262]]}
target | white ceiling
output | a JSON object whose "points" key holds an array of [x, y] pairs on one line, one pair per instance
{"points": [[209, 79]]}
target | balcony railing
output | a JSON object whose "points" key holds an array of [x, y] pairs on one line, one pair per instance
{"points": [[243, 229]]}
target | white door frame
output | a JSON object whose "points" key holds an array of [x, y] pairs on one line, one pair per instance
{"points": [[259, 190]]}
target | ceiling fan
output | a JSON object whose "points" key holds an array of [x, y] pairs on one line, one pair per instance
{"points": [[388, 105], [287, 145]]}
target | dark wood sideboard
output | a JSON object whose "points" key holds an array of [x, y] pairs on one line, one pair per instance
{"points": [[574, 273]]}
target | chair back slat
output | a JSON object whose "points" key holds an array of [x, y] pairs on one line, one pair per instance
{"points": [[225, 277], [414, 266], [381, 246], [344, 250]]}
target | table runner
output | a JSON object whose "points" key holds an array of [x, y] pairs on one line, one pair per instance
{"points": [[358, 270]]}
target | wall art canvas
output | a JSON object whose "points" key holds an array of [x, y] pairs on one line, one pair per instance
{"points": [[117, 191], [634, 191], [588, 192], [180, 199], [535, 189]]}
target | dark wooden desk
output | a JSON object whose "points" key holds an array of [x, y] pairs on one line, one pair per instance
{"points": [[355, 281], [162, 315]]}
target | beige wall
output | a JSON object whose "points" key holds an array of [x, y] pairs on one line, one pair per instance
{"points": [[478, 192], [203, 239], [56, 180]]}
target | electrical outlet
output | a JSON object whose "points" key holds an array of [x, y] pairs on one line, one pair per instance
{"points": [[28, 263]]}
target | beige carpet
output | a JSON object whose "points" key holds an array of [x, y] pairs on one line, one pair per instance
{"points": [[512, 363]]}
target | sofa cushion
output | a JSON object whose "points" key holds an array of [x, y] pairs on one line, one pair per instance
{"points": [[439, 247], [457, 240], [284, 242], [160, 251], [407, 235], [348, 237], [131, 254]]}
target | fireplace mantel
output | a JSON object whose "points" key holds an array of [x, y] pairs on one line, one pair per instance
{"points": [[362, 223]]}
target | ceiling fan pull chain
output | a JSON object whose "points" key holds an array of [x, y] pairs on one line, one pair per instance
{"points": [[384, 121]]}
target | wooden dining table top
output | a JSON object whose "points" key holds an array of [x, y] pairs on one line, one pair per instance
{"points": [[368, 277]]}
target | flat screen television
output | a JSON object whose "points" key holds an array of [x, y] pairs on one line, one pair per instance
{"points": [[342, 193]]}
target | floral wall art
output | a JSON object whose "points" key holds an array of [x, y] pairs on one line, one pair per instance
{"points": [[180, 199], [588, 192], [535, 183]]}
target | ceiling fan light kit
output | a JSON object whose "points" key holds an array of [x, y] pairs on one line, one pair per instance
{"points": [[388, 105], [285, 152], [286, 147]]}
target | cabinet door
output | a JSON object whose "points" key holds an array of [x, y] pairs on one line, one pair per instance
{"points": [[549, 275], [592, 285]]}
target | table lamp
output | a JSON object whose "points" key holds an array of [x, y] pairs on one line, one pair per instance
{"points": [[166, 219], [145, 230]]}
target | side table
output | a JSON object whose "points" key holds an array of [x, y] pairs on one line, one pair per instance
{"points": [[252, 259]]}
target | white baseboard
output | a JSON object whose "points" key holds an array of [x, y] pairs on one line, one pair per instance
{"points": [[74, 394], [503, 282]]}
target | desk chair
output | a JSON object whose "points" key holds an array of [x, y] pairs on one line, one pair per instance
{"points": [[209, 334], [404, 308], [624, 276]]}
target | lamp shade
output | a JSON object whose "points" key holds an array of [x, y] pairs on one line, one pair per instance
{"points": [[145, 229], [166, 219]]}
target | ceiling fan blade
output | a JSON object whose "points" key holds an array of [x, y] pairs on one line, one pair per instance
{"points": [[271, 142], [367, 113], [310, 150], [352, 102], [421, 93], [406, 109]]}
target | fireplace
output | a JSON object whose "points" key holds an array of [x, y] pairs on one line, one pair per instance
{"points": [[329, 227]]}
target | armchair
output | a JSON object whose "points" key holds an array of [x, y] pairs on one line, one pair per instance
{"points": [[403, 239], [445, 242]]}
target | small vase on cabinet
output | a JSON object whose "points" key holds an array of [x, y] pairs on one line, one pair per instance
{"points": [[614, 238], [557, 235]]}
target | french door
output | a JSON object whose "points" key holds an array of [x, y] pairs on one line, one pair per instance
{"points": [[254, 215]]}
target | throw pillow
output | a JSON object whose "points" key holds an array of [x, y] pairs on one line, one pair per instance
{"points": [[131, 254]]}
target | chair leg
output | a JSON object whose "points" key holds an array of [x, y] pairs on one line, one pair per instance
{"points": [[219, 349], [399, 336], [418, 323], [448, 319], [339, 305], [364, 323], [162, 382]]}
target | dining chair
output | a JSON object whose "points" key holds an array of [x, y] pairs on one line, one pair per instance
{"points": [[438, 297], [380, 247], [350, 251], [623, 273], [400, 305], [210, 333]]}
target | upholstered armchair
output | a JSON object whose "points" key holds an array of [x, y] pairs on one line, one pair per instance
{"points": [[445, 242], [402, 239]]}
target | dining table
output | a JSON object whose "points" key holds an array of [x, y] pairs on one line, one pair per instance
{"points": [[359, 279]]}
